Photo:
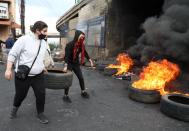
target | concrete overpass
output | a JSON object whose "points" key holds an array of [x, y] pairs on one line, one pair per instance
{"points": [[73, 12]]}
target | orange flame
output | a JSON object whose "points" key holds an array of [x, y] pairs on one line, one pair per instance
{"points": [[156, 75], [124, 63]]}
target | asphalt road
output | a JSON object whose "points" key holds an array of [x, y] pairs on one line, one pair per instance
{"points": [[108, 109]]}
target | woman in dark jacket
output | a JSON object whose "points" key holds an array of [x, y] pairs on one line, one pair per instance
{"points": [[72, 51]]}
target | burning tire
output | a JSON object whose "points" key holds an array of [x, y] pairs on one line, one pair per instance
{"points": [[56, 79], [144, 96], [176, 106]]}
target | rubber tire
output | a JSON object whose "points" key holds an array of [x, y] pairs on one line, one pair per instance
{"points": [[101, 67], [144, 96], [109, 71], [56, 81], [174, 109]]}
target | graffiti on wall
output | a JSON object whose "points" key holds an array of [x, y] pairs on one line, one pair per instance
{"points": [[83, 26]]}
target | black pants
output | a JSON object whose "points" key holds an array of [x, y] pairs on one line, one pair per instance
{"points": [[22, 87], [77, 70]]}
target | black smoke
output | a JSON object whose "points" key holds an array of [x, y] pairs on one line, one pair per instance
{"points": [[166, 36]]}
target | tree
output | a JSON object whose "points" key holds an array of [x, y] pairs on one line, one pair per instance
{"points": [[52, 46]]}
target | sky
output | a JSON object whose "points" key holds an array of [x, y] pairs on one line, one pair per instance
{"points": [[48, 11]]}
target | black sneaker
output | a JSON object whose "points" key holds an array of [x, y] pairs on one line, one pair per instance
{"points": [[84, 94], [42, 118], [13, 112], [67, 99]]}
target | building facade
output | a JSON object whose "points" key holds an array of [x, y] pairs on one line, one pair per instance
{"points": [[7, 18]]}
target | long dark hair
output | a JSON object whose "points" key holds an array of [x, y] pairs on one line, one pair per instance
{"points": [[39, 25]]}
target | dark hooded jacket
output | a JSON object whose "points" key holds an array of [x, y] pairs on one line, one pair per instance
{"points": [[69, 51]]}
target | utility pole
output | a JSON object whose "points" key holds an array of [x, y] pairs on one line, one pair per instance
{"points": [[22, 16], [77, 1]]}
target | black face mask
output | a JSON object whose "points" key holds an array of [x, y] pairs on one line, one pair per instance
{"points": [[42, 36]]}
